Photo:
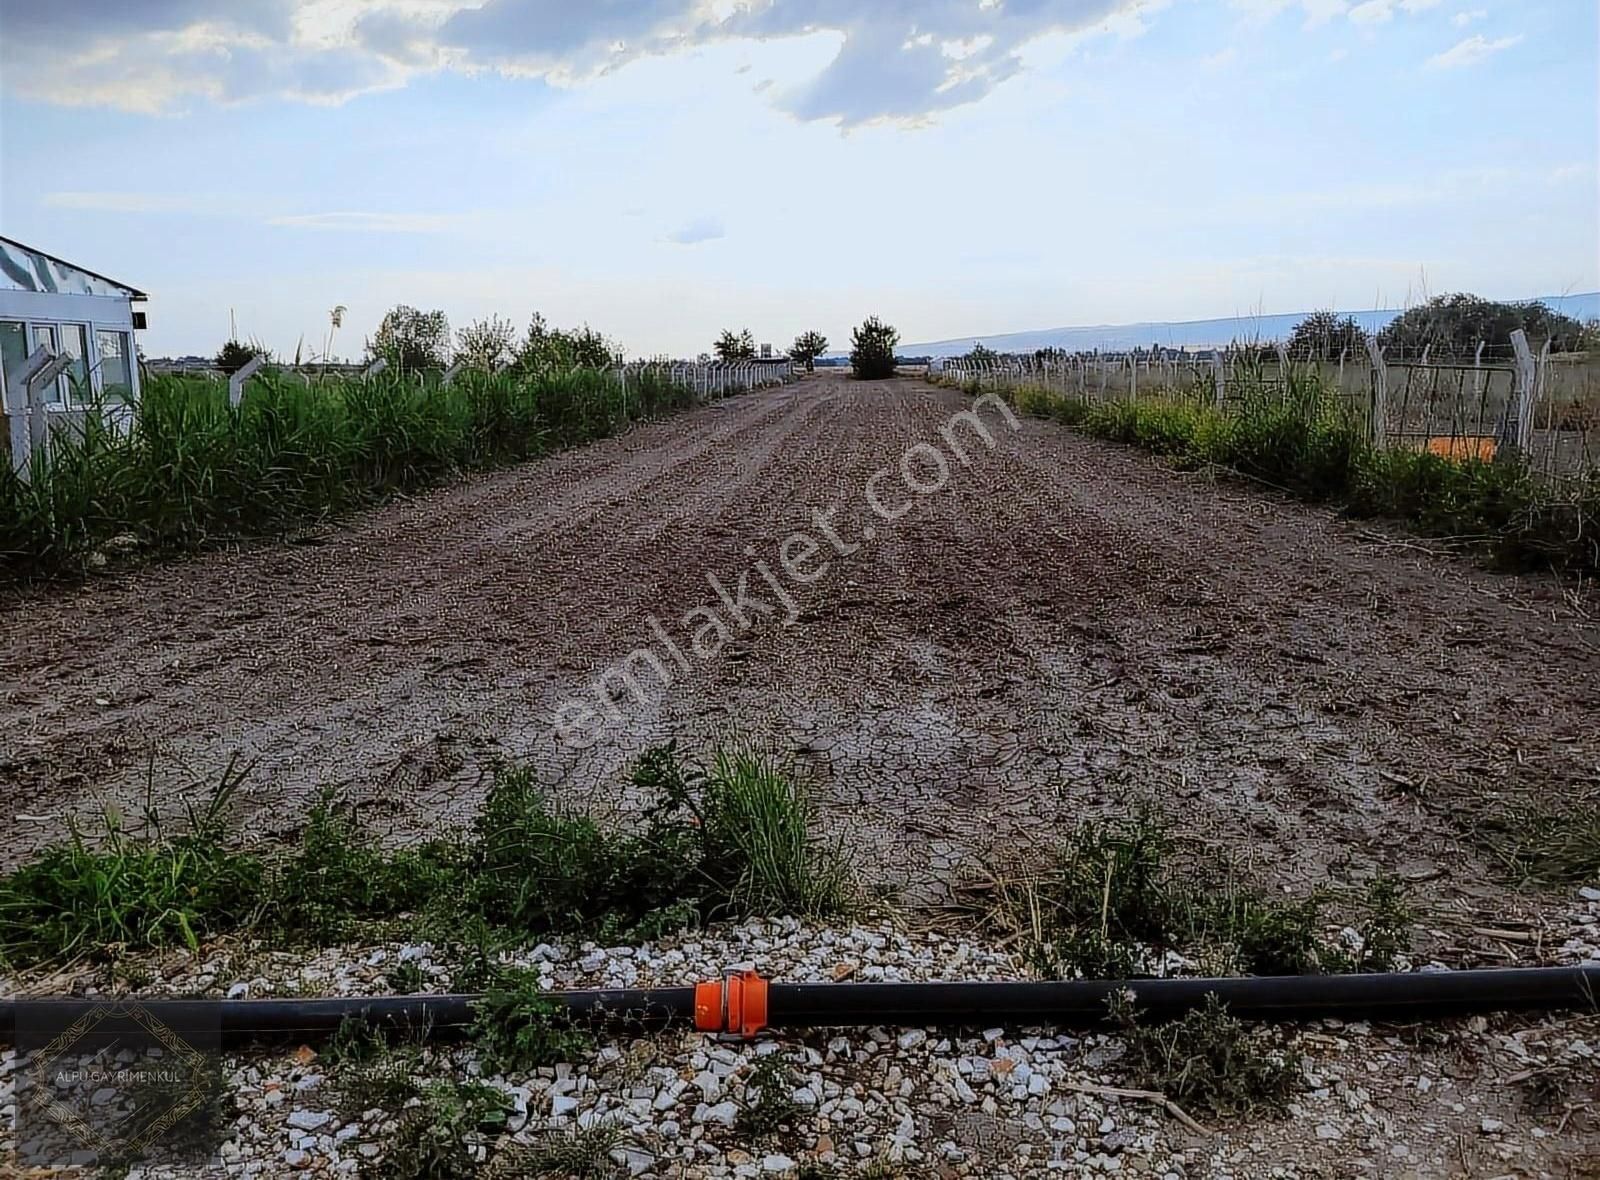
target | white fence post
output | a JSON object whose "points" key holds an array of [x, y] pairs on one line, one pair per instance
{"points": [[1220, 376], [1380, 393], [1526, 380], [450, 373], [240, 375], [1477, 364], [38, 413], [374, 369]]}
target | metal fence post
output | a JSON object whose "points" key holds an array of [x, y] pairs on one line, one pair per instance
{"points": [[1380, 393], [240, 375], [1526, 379]]}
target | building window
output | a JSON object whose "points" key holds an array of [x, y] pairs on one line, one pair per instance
{"points": [[44, 336], [116, 374], [75, 343], [13, 351]]}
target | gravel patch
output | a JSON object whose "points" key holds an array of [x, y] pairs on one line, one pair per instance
{"points": [[1435, 1100]]}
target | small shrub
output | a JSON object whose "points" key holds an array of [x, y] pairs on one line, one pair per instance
{"points": [[1208, 1060], [516, 1025], [579, 1153], [537, 870], [372, 1068], [440, 1139], [1274, 937], [1384, 926], [339, 877], [769, 1104]]}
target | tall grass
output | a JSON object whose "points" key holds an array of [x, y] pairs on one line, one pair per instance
{"points": [[191, 469], [1304, 440]]}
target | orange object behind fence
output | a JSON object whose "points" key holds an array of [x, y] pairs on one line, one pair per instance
{"points": [[1480, 447]]}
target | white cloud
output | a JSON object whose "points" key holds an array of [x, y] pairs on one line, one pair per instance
{"points": [[1320, 12], [1375, 12], [1462, 19], [892, 60], [1222, 58], [1471, 52], [387, 223], [701, 229]]}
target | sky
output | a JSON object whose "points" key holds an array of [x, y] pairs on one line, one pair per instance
{"points": [[662, 169]]}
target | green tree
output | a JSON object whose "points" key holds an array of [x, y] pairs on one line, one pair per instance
{"points": [[236, 354], [487, 344], [981, 354], [1454, 324], [412, 340], [736, 346], [872, 349], [1322, 335], [547, 349], [808, 346]]}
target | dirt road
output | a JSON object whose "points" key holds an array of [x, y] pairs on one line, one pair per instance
{"points": [[1065, 627]]}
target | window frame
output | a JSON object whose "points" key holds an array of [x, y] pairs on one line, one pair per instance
{"points": [[67, 400]]}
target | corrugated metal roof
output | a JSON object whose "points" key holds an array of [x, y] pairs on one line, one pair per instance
{"points": [[25, 268]]}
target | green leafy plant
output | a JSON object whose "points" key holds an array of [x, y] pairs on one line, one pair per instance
{"points": [[516, 1026], [339, 877], [127, 891], [761, 852], [768, 1105]]}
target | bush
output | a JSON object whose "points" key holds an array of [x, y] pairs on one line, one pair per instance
{"points": [[538, 870], [736, 840], [872, 350], [1304, 440], [339, 877], [1209, 1060]]}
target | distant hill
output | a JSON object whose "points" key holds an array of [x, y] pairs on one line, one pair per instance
{"points": [[1191, 333]]}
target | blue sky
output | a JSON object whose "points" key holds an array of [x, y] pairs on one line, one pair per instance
{"points": [[661, 169]]}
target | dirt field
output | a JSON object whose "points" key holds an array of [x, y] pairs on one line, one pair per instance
{"points": [[1065, 627]]}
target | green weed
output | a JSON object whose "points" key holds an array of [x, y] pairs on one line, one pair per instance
{"points": [[516, 1025], [1299, 437], [193, 470], [339, 877], [372, 1068], [446, 1137], [131, 891], [1208, 1060], [579, 1153], [761, 851], [768, 1104], [536, 869]]}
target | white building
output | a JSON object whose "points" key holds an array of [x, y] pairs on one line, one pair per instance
{"points": [[72, 311]]}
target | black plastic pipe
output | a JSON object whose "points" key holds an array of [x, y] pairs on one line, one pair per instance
{"points": [[1078, 1003]]}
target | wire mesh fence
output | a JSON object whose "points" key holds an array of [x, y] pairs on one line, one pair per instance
{"points": [[1502, 401]]}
